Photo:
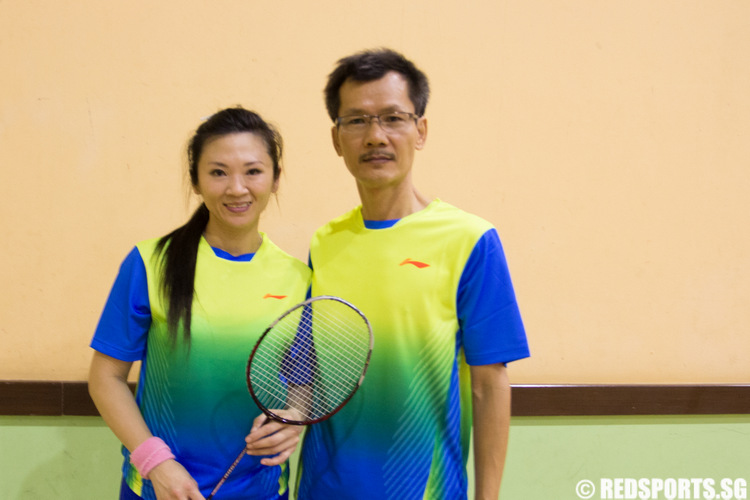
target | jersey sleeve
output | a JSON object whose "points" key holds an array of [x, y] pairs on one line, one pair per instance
{"points": [[123, 327], [491, 327]]}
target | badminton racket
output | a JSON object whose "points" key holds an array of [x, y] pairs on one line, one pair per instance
{"points": [[310, 360]]}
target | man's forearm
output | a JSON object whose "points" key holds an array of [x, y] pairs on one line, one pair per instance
{"points": [[491, 421]]}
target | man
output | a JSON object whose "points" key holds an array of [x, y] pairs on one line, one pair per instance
{"points": [[434, 283]]}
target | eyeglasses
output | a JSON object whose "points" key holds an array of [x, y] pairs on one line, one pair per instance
{"points": [[394, 122]]}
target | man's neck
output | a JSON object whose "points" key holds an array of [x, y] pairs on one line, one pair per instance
{"points": [[390, 203]]}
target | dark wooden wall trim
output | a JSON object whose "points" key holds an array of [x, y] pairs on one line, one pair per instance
{"points": [[45, 398], [72, 398], [560, 400]]}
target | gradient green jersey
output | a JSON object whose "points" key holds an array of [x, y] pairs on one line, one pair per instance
{"points": [[405, 433], [195, 397]]}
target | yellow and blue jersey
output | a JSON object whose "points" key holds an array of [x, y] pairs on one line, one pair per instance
{"points": [[195, 397], [436, 289]]}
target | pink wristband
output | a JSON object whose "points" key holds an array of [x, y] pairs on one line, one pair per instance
{"points": [[149, 454]]}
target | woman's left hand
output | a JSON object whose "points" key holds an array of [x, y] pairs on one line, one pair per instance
{"points": [[270, 437]]}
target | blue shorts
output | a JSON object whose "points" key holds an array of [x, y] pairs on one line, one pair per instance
{"points": [[126, 493]]}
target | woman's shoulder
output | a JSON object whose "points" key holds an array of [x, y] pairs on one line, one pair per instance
{"points": [[269, 250]]}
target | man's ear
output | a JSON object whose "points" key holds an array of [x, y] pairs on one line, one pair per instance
{"points": [[421, 132], [335, 138]]}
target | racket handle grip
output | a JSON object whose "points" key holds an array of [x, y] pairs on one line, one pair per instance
{"points": [[226, 474]]}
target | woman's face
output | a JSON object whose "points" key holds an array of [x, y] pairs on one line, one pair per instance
{"points": [[235, 180]]}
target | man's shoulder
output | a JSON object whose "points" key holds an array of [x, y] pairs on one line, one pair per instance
{"points": [[342, 222], [452, 218]]}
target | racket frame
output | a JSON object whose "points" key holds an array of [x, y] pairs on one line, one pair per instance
{"points": [[328, 415]]}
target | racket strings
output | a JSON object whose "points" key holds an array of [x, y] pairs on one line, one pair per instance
{"points": [[311, 360], [320, 403], [324, 396], [305, 347]]}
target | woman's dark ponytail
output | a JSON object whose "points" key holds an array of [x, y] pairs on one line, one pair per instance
{"points": [[178, 252]]}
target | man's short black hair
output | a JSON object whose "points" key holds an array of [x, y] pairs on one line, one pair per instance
{"points": [[370, 65]]}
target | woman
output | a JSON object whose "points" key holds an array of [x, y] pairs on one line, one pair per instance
{"points": [[190, 307]]}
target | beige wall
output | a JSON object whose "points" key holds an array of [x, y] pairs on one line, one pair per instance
{"points": [[607, 140]]}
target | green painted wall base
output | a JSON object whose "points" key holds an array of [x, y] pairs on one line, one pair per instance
{"points": [[549, 456], [58, 458], [78, 458]]}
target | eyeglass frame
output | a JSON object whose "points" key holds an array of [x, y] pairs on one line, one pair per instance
{"points": [[371, 118]]}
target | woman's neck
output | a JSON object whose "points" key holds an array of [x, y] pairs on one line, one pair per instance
{"points": [[239, 243]]}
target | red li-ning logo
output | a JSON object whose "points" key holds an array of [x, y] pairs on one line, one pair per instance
{"points": [[270, 296], [415, 263]]}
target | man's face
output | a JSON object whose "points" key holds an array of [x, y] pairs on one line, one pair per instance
{"points": [[376, 158]]}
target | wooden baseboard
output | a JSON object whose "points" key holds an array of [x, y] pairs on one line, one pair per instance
{"points": [[575, 400], [48, 398], [54, 398]]}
